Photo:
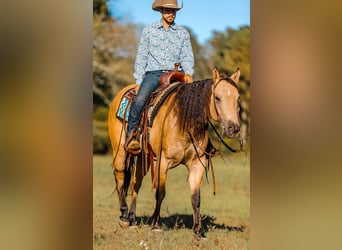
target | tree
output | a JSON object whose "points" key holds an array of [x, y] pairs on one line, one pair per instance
{"points": [[114, 48], [201, 56], [232, 50], [100, 7]]}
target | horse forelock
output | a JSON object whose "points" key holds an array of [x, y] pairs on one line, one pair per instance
{"points": [[192, 102], [228, 79]]}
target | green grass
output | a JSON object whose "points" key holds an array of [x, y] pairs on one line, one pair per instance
{"points": [[225, 215]]}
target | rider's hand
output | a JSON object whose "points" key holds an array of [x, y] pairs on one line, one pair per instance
{"points": [[188, 78]]}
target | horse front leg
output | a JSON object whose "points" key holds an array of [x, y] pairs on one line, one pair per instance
{"points": [[122, 179], [195, 179], [160, 195]]}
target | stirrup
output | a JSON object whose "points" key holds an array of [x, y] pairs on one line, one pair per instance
{"points": [[132, 145]]}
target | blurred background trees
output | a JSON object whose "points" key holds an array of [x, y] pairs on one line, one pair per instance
{"points": [[114, 50]]}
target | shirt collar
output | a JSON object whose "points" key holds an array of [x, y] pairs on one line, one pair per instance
{"points": [[172, 26]]}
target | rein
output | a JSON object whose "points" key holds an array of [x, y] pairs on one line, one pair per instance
{"points": [[224, 143], [208, 155]]}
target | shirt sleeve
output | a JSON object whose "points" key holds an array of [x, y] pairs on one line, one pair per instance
{"points": [[187, 56], [141, 58]]}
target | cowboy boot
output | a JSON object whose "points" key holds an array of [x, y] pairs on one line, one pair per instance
{"points": [[132, 145]]}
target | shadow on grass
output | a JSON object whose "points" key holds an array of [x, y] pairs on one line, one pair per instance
{"points": [[178, 221]]}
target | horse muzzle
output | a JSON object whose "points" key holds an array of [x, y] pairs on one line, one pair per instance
{"points": [[232, 130]]}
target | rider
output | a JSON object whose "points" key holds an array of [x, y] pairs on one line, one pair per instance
{"points": [[162, 44]]}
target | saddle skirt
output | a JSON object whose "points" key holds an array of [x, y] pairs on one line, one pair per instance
{"points": [[151, 107], [125, 104]]}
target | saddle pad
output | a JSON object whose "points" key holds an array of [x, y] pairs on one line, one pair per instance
{"points": [[125, 104]]}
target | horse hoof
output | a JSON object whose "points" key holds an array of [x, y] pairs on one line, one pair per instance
{"points": [[204, 238], [133, 226], [200, 236], [156, 229], [123, 223]]}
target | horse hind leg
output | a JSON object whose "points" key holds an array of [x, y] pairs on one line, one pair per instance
{"points": [[138, 176], [122, 177]]}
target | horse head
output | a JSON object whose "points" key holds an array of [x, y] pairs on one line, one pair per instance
{"points": [[224, 103]]}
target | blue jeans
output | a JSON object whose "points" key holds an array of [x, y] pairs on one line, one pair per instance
{"points": [[148, 85]]}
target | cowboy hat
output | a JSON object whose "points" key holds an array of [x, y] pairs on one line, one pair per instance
{"points": [[169, 4]]}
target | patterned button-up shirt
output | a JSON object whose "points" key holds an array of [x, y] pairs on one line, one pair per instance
{"points": [[160, 49]]}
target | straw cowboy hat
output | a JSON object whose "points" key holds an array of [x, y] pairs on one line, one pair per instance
{"points": [[169, 4]]}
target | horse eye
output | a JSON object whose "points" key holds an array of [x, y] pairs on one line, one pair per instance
{"points": [[217, 98]]}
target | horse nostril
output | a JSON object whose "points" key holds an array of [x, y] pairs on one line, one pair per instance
{"points": [[234, 128]]}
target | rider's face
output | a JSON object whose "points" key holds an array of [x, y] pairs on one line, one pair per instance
{"points": [[169, 15]]}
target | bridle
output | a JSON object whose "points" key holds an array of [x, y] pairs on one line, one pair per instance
{"points": [[213, 90], [220, 136], [220, 139], [228, 80]]}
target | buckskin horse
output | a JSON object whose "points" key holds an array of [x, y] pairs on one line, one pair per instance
{"points": [[179, 135]]}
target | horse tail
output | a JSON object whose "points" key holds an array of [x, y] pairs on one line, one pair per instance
{"points": [[129, 170]]}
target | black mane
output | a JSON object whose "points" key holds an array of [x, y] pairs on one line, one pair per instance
{"points": [[192, 100]]}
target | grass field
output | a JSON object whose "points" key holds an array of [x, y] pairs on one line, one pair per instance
{"points": [[226, 216]]}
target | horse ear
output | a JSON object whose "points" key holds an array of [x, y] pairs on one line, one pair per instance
{"points": [[236, 75], [216, 75]]}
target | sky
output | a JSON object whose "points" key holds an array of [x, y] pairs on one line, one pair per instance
{"points": [[201, 16]]}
